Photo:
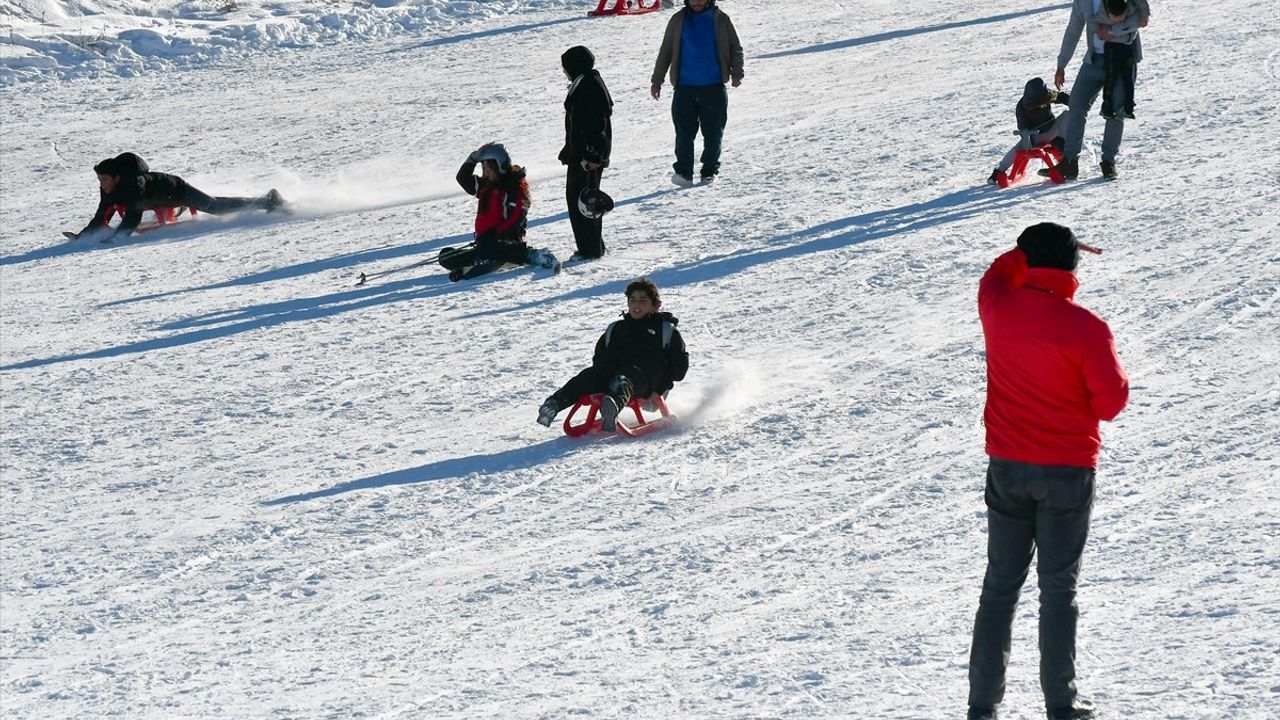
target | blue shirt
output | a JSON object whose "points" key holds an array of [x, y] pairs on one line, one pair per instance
{"points": [[699, 64]]}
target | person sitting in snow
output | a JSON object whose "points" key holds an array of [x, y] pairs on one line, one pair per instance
{"points": [[1037, 124], [126, 180], [504, 200], [640, 355]]}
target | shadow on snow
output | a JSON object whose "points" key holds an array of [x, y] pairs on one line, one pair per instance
{"points": [[827, 236], [452, 39], [515, 459], [898, 34]]}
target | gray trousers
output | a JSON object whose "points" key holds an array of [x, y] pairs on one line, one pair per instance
{"points": [[1039, 138], [1032, 509], [1084, 93]]}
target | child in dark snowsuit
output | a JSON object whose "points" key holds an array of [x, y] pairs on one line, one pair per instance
{"points": [[504, 200], [126, 180], [1037, 124], [1119, 58], [640, 355]]}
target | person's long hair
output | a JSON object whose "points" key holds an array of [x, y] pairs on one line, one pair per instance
{"points": [[514, 180]]}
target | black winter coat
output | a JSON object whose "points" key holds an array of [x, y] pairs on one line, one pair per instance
{"points": [[629, 346], [588, 129], [138, 191], [1036, 114]]}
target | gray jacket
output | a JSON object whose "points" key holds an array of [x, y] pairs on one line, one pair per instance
{"points": [[1082, 18], [728, 48]]}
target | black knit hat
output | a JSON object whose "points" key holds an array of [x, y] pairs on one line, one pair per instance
{"points": [[1050, 245]]}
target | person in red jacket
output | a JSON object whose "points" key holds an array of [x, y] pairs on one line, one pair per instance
{"points": [[1052, 375], [501, 217]]}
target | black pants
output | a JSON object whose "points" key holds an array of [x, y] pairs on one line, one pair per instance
{"points": [[508, 250], [704, 107], [601, 380], [587, 232], [1121, 68], [193, 198], [1031, 508]]}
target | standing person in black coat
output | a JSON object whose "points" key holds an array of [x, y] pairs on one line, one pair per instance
{"points": [[126, 180], [640, 355], [588, 139]]}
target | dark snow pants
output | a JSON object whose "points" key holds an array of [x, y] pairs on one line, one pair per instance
{"points": [[1121, 67], [694, 107], [587, 232], [193, 198], [600, 380], [1031, 509]]}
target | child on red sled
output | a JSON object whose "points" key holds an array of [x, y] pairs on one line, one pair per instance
{"points": [[501, 215], [640, 355], [127, 180], [1037, 124]]}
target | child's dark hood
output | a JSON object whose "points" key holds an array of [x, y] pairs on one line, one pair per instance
{"points": [[1036, 93], [122, 165], [577, 60]]}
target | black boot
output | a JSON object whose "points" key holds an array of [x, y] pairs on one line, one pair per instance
{"points": [[995, 177], [1108, 170], [1077, 710], [977, 713], [1069, 168]]}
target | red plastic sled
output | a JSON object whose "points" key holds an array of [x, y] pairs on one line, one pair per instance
{"points": [[164, 215], [625, 7], [1046, 154], [592, 423]]}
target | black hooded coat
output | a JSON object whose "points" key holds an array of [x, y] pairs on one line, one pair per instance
{"points": [[588, 108]]}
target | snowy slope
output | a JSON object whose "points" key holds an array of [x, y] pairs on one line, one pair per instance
{"points": [[234, 485]]}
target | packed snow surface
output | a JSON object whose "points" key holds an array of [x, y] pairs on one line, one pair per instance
{"points": [[237, 486]]}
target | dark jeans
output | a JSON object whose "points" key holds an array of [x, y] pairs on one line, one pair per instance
{"points": [[586, 231], [508, 250], [1122, 74], [193, 198], [598, 380], [705, 107], [1031, 508]]}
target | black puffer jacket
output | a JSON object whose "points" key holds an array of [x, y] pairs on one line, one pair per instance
{"points": [[138, 190], [652, 347], [588, 108], [1034, 111]]}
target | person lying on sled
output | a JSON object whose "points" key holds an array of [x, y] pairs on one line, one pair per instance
{"points": [[126, 180], [503, 201], [640, 355]]}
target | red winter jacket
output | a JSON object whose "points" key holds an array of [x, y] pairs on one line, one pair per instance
{"points": [[1052, 370]]}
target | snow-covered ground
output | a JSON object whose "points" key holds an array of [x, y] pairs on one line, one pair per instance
{"points": [[234, 485]]}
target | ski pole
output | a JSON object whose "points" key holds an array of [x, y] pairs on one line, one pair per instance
{"points": [[364, 277]]}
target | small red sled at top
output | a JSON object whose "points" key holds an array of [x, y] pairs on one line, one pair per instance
{"points": [[1047, 154], [625, 7], [642, 426]]}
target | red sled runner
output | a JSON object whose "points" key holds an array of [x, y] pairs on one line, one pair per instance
{"points": [[1047, 154], [164, 215], [625, 7], [642, 426]]}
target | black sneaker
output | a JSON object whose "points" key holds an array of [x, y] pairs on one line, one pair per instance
{"points": [[1108, 170], [456, 274], [1078, 710], [995, 177], [547, 413], [608, 414], [981, 713], [1069, 168], [272, 201]]}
